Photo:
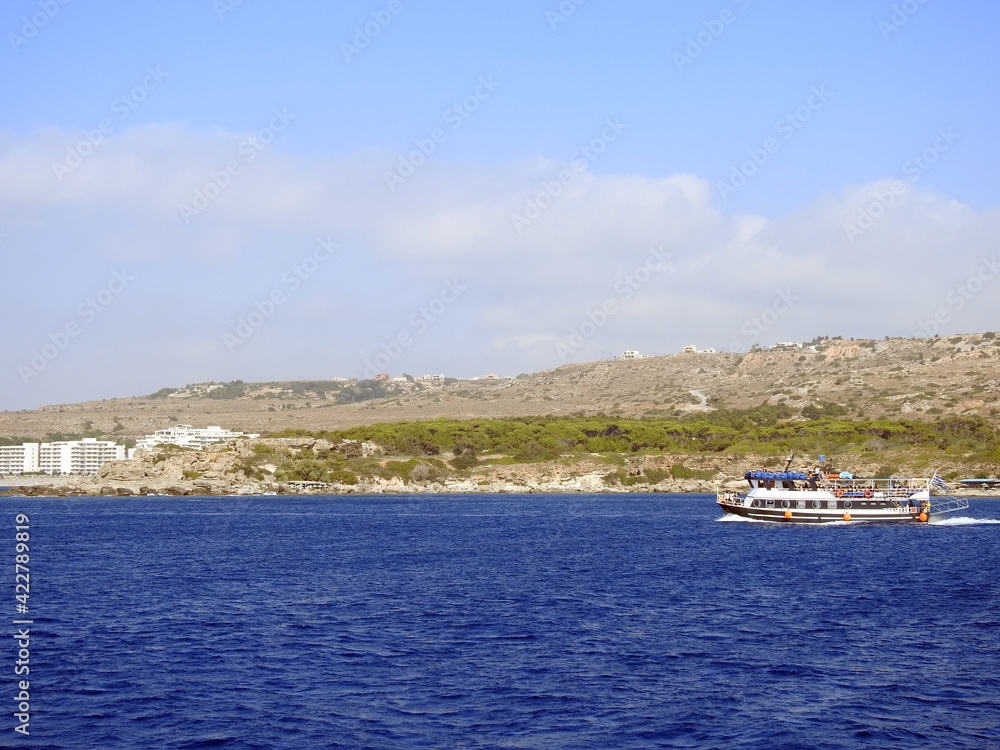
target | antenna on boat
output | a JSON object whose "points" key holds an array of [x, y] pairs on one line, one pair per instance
{"points": [[789, 461]]}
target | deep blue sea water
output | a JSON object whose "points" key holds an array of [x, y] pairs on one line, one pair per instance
{"points": [[499, 621]]}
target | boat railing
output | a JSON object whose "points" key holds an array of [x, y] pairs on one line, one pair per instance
{"points": [[728, 498], [888, 487], [891, 488], [948, 504]]}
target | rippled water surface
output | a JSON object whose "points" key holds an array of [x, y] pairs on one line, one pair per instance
{"points": [[503, 621]]}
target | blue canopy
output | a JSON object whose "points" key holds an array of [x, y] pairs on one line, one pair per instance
{"points": [[761, 474]]}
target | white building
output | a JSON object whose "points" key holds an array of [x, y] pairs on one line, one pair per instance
{"points": [[78, 456], [65, 457], [19, 459], [186, 436], [632, 354], [432, 379]]}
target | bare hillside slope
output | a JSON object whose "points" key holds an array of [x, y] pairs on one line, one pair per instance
{"points": [[895, 378]]}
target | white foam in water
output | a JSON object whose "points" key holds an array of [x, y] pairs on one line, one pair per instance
{"points": [[960, 521], [964, 521], [729, 517]]}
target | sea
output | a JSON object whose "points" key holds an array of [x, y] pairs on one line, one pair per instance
{"points": [[495, 621]]}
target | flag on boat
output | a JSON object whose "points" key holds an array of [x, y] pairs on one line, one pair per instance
{"points": [[939, 483]]}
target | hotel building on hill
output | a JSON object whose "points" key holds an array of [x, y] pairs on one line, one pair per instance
{"points": [[186, 436]]}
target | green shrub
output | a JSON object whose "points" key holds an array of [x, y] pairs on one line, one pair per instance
{"points": [[680, 471], [655, 476], [464, 461], [622, 478], [233, 389], [342, 476]]}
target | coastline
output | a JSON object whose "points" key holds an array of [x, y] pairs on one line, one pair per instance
{"points": [[260, 466], [69, 486]]}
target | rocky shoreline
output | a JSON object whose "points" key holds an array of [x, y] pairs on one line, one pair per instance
{"points": [[66, 488], [192, 489], [248, 467], [587, 484]]}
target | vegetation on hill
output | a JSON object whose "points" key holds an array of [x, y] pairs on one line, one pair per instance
{"points": [[760, 430], [441, 445], [232, 389], [333, 391]]}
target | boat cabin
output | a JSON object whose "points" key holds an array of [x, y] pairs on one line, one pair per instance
{"points": [[775, 480]]}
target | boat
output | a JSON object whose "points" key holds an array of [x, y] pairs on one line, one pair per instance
{"points": [[795, 497]]}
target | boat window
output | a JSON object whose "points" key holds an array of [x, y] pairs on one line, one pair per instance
{"points": [[769, 502], [848, 504], [817, 504], [831, 503], [800, 503]]}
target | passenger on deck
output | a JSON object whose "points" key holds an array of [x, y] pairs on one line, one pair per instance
{"points": [[812, 479]]}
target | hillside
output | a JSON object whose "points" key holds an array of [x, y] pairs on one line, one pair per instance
{"points": [[916, 379]]}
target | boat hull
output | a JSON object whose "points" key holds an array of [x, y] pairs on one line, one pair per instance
{"points": [[823, 515]]}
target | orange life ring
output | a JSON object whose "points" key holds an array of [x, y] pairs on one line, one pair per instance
{"points": [[840, 493], [868, 493]]}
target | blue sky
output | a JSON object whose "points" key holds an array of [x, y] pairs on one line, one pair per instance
{"points": [[799, 170]]}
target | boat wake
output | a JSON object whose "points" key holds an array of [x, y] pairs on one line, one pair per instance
{"points": [[964, 521], [730, 518]]}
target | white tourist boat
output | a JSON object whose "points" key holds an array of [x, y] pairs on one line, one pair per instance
{"points": [[796, 497]]}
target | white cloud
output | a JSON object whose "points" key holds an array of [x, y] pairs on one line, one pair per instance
{"points": [[527, 288]]}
